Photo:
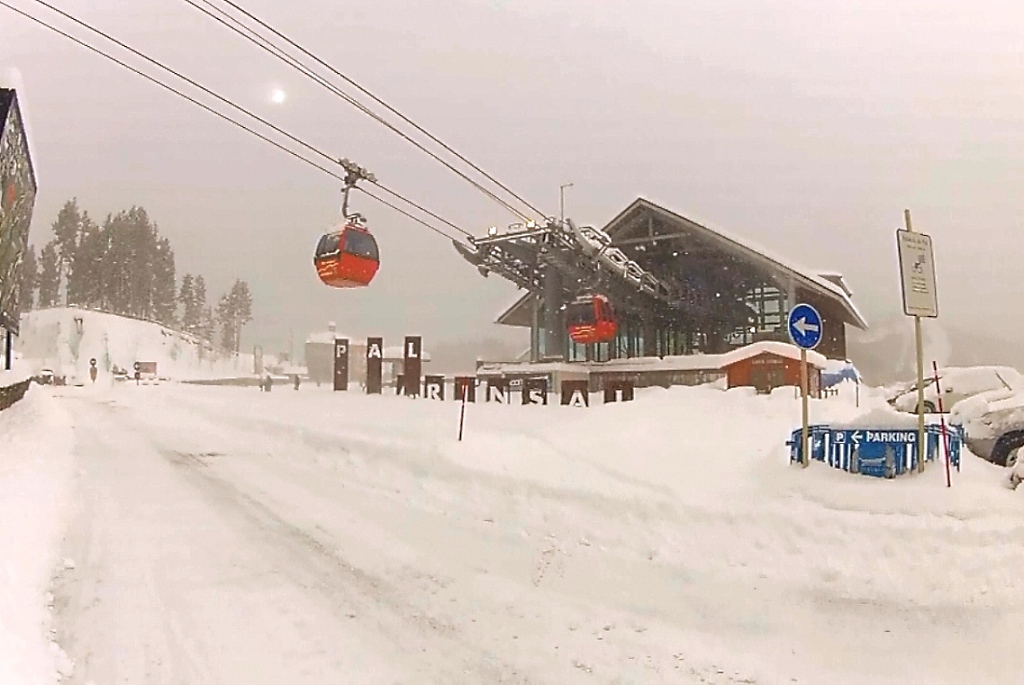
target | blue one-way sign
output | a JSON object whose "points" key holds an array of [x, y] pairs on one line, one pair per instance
{"points": [[804, 326]]}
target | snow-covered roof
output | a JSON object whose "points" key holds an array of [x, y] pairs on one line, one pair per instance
{"points": [[327, 337], [10, 79], [780, 349], [824, 282], [810, 277]]}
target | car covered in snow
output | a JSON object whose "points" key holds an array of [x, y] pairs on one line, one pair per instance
{"points": [[993, 425], [958, 384]]}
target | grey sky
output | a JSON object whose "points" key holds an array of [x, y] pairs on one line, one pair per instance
{"points": [[805, 126]]}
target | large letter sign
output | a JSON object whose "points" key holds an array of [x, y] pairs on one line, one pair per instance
{"points": [[497, 390], [618, 391], [341, 364], [575, 394], [374, 365], [413, 365], [535, 391], [433, 387]]}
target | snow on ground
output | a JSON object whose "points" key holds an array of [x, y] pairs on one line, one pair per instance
{"points": [[228, 535], [35, 475], [54, 339]]}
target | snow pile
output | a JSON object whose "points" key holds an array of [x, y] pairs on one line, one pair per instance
{"points": [[18, 373], [35, 477], [64, 339]]}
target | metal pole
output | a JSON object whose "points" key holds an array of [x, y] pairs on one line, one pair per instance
{"points": [[8, 350], [561, 200], [919, 344], [942, 420], [462, 412], [804, 453]]}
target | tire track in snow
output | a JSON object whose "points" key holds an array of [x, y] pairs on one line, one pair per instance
{"points": [[169, 638]]}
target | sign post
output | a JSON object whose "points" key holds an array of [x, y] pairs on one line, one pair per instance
{"points": [[920, 299], [805, 330], [92, 369]]}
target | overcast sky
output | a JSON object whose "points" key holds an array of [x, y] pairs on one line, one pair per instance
{"points": [[807, 126]]}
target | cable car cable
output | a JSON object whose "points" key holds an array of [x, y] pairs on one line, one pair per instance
{"points": [[382, 103], [225, 117], [173, 90], [261, 42]]}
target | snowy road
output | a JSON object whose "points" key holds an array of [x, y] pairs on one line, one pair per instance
{"points": [[230, 536]]}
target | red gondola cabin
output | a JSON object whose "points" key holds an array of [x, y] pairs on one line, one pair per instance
{"points": [[591, 320], [347, 258]]}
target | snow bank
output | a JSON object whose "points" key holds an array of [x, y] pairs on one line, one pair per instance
{"points": [[35, 474], [66, 338]]}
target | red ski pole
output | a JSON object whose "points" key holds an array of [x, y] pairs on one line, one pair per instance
{"points": [[462, 412], [942, 421]]}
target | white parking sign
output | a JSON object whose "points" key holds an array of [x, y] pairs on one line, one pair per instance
{"points": [[917, 274]]}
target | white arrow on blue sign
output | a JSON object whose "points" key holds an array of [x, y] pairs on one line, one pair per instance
{"points": [[804, 326]]}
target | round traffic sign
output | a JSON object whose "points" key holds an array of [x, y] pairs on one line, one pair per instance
{"points": [[92, 362], [804, 326], [136, 366]]}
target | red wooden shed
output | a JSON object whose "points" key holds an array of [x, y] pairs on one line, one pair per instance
{"points": [[770, 365]]}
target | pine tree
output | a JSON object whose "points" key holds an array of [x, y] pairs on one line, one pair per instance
{"points": [[207, 325], [189, 322], [234, 311], [226, 319], [66, 230], [29, 280], [84, 287], [142, 253], [164, 296], [117, 264], [199, 306], [243, 309], [49, 276]]}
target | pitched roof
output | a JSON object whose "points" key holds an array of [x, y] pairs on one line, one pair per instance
{"points": [[748, 249], [824, 283]]}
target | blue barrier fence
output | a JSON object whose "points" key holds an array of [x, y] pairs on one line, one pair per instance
{"points": [[879, 452]]}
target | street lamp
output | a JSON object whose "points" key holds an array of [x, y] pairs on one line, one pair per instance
{"points": [[561, 200]]}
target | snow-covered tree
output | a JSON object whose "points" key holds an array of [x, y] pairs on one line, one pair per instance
{"points": [[84, 279], [49, 276], [29, 280], [164, 297], [234, 311], [66, 230]]}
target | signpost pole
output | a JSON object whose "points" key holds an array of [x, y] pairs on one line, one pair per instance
{"points": [[804, 452], [805, 327], [922, 448]]}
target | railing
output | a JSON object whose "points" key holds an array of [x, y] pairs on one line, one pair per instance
{"points": [[879, 452]]}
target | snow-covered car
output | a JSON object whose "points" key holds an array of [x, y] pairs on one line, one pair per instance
{"points": [[958, 384], [44, 377], [993, 424]]}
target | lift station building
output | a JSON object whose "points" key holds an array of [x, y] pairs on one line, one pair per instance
{"points": [[677, 287]]}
